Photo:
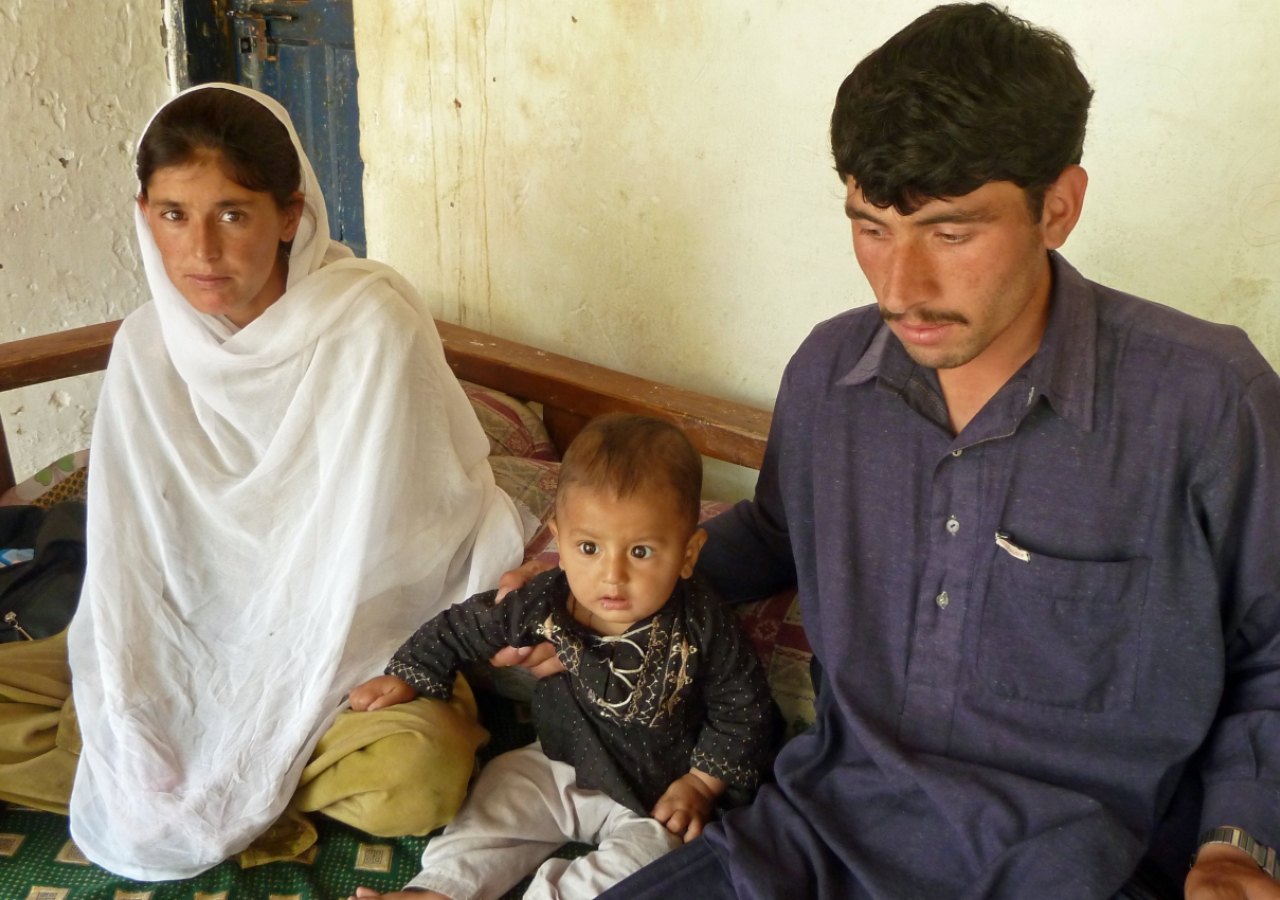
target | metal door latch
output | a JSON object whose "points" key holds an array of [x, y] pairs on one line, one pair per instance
{"points": [[257, 41]]}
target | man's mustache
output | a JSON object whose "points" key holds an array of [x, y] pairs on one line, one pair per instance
{"points": [[927, 317]]}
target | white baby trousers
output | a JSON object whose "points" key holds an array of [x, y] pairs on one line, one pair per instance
{"points": [[522, 808]]}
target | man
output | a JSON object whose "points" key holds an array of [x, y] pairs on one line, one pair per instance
{"points": [[1034, 523]]}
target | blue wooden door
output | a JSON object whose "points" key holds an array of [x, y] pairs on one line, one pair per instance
{"points": [[302, 52]]}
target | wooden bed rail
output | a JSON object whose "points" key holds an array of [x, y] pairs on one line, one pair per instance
{"points": [[571, 392], [59, 355]]}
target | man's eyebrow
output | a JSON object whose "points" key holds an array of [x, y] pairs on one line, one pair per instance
{"points": [[951, 216], [854, 213], [957, 217]]}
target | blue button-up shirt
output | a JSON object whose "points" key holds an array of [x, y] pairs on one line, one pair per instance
{"points": [[1050, 644]]}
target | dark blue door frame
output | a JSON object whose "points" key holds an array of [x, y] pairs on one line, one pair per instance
{"points": [[302, 52]]}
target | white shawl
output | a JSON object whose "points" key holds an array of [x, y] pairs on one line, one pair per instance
{"points": [[271, 513]]}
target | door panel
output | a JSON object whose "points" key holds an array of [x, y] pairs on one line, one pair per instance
{"points": [[303, 54]]}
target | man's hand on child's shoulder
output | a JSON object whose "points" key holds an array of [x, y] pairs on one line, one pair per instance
{"points": [[542, 659], [519, 577], [376, 693], [688, 803]]}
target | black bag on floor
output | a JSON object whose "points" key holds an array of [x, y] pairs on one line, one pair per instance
{"points": [[39, 597]]}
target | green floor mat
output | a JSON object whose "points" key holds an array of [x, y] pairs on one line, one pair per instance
{"points": [[38, 861], [46, 866]]}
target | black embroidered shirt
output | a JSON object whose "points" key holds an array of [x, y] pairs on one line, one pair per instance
{"points": [[633, 712]]}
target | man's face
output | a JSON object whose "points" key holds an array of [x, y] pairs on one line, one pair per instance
{"points": [[952, 277]]}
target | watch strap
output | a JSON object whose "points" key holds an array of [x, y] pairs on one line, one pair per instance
{"points": [[1264, 856]]}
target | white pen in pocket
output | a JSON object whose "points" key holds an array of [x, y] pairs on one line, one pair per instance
{"points": [[1008, 546]]}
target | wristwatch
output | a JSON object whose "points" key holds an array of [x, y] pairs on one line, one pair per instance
{"points": [[1265, 857]]}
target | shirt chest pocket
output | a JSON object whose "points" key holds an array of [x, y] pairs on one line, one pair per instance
{"points": [[1063, 632]]}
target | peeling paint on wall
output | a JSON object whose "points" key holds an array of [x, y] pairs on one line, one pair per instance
{"points": [[77, 80]]}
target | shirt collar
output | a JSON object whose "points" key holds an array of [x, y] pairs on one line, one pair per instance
{"points": [[1065, 368], [1063, 371]]}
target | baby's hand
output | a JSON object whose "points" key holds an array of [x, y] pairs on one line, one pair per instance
{"points": [[385, 690], [687, 805]]}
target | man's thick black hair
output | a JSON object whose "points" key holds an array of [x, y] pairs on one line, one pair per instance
{"points": [[964, 95]]}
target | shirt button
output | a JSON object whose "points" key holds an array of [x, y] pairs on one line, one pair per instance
{"points": [[956, 452], [953, 525], [942, 600]]}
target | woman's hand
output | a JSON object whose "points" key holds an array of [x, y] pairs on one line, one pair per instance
{"points": [[1223, 872], [385, 690], [688, 804], [540, 660]]}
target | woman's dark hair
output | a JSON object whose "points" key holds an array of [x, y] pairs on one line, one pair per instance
{"points": [[252, 141], [964, 95]]}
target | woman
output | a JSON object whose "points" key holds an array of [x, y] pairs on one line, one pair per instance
{"points": [[287, 480]]}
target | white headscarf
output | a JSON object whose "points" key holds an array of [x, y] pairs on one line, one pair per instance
{"points": [[271, 512]]}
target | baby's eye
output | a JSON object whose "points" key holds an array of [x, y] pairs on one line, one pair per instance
{"points": [[588, 548], [642, 552]]}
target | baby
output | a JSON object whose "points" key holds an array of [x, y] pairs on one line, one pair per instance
{"points": [[662, 704]]}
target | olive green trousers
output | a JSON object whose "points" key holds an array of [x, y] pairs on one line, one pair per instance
{"points": [[397, 771]]}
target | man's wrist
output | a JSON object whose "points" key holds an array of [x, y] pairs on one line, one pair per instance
{"points": [[1240, 840]]}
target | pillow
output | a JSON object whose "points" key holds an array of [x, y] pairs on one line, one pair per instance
{"points": [[777, 633], [513, 428], [532, 484], [63, 479], [775, 629]]}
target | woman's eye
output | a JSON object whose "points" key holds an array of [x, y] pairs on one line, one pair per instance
{"points": [[587, 548], [641, 552], [950, 238], [171, 215], [232, 215]]}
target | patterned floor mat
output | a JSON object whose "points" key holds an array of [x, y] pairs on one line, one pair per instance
{"points": [[38, 860]]}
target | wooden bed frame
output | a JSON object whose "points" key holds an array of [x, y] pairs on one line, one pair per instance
{"points": [[571, 392]]}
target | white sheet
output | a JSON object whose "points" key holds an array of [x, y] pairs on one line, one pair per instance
{"points": [[271, 512]]}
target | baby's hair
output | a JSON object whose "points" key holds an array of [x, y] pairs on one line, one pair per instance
{"points": [[628, 454]]}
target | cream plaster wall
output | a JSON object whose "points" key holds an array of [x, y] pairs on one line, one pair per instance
{"points": [[648, 185], [78, 79]]}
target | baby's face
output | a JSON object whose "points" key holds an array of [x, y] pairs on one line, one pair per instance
{"points": [[622, 556]]}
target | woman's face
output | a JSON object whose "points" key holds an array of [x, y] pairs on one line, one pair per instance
{"points": [[219, 241]]}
